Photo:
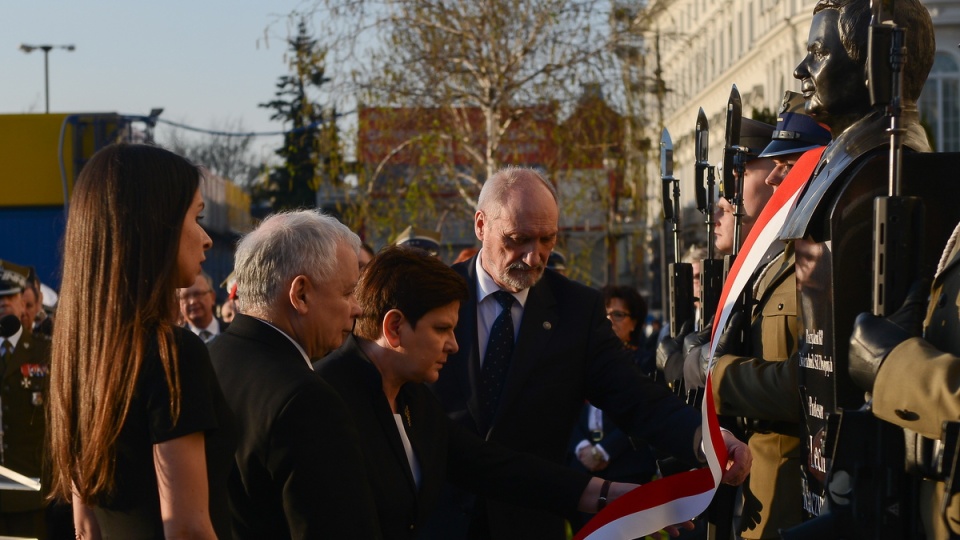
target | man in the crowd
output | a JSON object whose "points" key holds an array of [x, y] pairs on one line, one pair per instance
{"points": [[534, 346], [299, 470], [196, 307], [24, 365]]}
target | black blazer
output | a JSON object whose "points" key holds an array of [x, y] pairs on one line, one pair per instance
{"points": [[298, 470], [444, 451], [566, 353]]}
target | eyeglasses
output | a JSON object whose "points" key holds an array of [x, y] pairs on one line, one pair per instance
{"points": [[195, 295], [617, 315]]}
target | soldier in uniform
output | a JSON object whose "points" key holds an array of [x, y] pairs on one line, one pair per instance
{"points": [[758, 385], [915, 381], [754, 136], [24, 363]]}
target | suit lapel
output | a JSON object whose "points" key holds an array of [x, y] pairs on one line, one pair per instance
{"points": [[467, 333], [539, 319]]}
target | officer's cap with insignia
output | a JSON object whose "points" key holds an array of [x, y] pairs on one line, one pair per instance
{"points": [[796, 131], [754, 136], [13, 278], [424, 239]]}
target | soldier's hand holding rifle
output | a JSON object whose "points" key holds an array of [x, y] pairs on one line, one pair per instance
{"points": [[670, 354], [874, 337], [697, 348]]}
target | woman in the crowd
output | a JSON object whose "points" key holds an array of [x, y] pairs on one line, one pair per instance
{"points": [[597, 445], [411, 303], [141, 437], [627, 312]]}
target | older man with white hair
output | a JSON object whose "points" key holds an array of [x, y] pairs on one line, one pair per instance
{"points": [[298, 464]]}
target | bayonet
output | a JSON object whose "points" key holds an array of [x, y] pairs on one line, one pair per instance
{"points": [[711, 270], [702, 147], [734, 163], [731, 141], [680, 274]]}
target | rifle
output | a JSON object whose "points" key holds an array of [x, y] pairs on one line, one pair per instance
{"points": [[680, 274], [711, 269], [734, 160], [869, 492]]}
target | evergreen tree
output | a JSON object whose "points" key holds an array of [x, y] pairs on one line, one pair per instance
{"points": [[310, 150]]}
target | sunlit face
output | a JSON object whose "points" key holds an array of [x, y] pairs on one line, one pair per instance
{"points": [[196, 302], [621, 319], [832, 83], [333, 308], [11, 304], [781, 168], [193, 242], [756, 193], [425, 347], [518, 240], [31, 306]]}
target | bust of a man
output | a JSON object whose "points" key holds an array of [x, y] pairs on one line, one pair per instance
{"points": [[833, 77], [833, 74]]}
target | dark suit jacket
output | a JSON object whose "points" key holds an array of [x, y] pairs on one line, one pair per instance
{"points": [[566, 353], [443, 450], [299, 471]]}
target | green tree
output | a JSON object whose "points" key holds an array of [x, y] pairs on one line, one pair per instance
{"points": [[311, 151]]}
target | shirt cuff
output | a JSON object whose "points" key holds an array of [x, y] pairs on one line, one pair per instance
{"points": [[606, 456], [702, 455]]}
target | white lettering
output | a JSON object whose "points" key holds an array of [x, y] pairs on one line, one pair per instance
{"points": [[817, 461], [817, 362], [814, 338], [814, 409]]}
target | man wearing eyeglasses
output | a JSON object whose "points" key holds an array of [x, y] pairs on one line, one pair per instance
{"points": [[196, 307]]}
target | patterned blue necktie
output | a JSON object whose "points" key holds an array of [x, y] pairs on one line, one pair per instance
{"points": [[496, 361]]}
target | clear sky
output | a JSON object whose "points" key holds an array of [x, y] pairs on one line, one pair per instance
{"points": [[206, 62]]}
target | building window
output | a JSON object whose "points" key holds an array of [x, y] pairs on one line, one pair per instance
{"points": [[940, 103]]}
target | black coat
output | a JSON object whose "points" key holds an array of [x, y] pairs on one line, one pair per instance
{"points": [[299, 470], [444, 451], [565, 353]]}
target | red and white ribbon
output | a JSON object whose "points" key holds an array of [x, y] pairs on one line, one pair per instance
{"points": [[683, 496]]}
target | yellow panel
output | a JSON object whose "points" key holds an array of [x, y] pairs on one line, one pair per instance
{"points": [[28, 151], [30, 173]]}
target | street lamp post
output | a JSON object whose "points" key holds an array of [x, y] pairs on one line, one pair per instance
{"points": [[46, 66]]}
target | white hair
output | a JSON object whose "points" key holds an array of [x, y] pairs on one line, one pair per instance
{"points": [[284, 246]]}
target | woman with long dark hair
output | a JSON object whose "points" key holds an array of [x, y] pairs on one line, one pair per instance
{"points": [[140, 435]]}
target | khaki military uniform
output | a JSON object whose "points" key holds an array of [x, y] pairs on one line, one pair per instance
{"points": [[763, 388], [918, 385], [23, 395]]}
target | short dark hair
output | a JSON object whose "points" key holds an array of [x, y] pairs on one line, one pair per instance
{"points": [[635, 304], [909, 14], [407, 279]]}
